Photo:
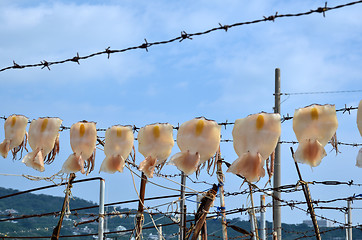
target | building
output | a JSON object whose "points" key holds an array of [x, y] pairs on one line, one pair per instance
{"points": [[321, 223]]}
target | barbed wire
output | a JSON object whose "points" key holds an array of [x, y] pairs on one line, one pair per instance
{"points": [[329, 230], [338, 143], [225, 124], [344, 110], [323, 92], [183, 36]]}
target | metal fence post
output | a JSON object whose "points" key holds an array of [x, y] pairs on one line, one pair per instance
{"points": [[101, 209], [182, 207], [277, 224], [349, 219], [262, 218]]}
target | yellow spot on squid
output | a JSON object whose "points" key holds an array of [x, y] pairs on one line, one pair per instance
{"points": [[199, 127], [156, 131], [119, 132], [81, 130], [13, 121], [259, 122], [314, 114], [44, 125]]}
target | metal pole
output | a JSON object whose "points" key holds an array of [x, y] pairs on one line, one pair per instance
{"points": [[220, 178], [182, 207], [349, 219], [262, 218], [198, 201], [252, 224], [101, 209], [160, 232], [346, 223], [277, 224]]}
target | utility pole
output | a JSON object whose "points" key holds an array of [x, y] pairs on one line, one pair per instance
{"points": [[277, 224]]}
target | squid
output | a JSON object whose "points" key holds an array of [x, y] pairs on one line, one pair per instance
{"points": [[359, 125], [44, 141], [198, 140], [155, 142], [15, 135], [255, 138], [314, 126], [83, 139], [118, 146]]}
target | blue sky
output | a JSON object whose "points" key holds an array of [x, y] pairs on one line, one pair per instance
{"points": [[221, 75]]}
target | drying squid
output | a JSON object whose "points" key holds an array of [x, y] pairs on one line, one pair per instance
{"points": [[255, 138], [15, 132], [198, 140], [155, 142], [359, 125], [83, 139], [44, 141], [118, 146], [314, 126]]}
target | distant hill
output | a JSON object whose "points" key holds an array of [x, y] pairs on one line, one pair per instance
{"points": [[29, 204]]}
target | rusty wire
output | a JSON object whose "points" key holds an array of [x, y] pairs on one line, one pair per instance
{"points": [[183, 36], [343, 110], [338, 143], [225, 124]]}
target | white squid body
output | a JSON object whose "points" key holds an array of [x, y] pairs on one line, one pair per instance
{"points": [[198, 140], [359, 125], [83, 139], [314, 126], [255, 138], [155, 142], [15, 130], [43, 139], [118, 146]]}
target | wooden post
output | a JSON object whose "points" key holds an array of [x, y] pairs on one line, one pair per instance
{"points": [[203, 210], [220, 178], [253, 213], [308, 199], [140, 207], [56, 231]]}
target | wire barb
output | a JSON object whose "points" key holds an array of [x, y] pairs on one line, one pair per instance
{"points": [[323, 9], [108, 51], [145, 45], [271, 18], [184, 36], [45, 64], [225, 27], [76, 59]]}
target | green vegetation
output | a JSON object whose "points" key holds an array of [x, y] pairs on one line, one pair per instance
{"points": [[28, 204]]}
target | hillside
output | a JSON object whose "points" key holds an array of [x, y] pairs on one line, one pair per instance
{"points": [[27, 204]]}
